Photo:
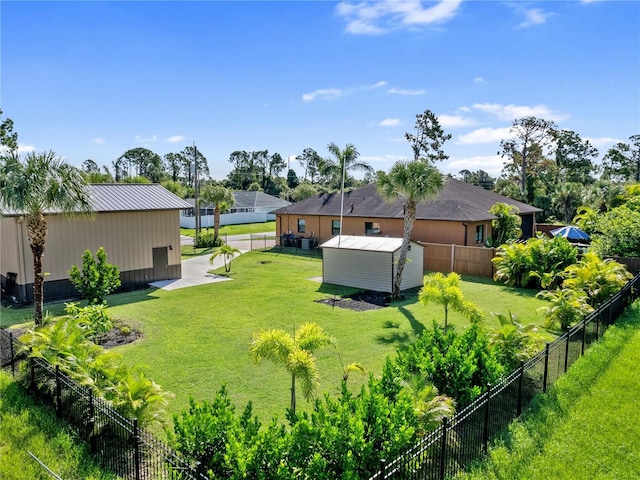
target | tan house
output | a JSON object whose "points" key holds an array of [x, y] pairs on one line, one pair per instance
{"points": [[458, 216], [137, 224]]}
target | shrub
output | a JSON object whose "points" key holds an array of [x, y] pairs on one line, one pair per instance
{"points": [[97, 279], [208, 240], [567, 307], [93, 318]]}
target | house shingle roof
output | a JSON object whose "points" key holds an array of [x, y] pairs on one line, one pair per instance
{"points": [[457, 201]]}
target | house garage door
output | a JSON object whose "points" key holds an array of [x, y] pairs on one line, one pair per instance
{"points": [[160, 264]]}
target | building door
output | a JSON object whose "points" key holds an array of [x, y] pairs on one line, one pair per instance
{"points": [[160, 264]]}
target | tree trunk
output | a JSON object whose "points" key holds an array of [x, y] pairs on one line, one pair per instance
{"points": [[216, 221], [409, 218], [293, 394], [37, 235]]}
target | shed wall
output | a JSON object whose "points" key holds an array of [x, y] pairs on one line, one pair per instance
{"points": [[413, 274], [358, 269]]}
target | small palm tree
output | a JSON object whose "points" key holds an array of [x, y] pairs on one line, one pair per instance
{"points": [[221, 198], [445, 290], [295, 353], [227, 252], [415, 181], [516, 342], [567, 307], [345, 160], [38, 185], [430, 407]]}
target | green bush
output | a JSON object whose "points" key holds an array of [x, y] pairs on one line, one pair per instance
{"points": [[208, 240], [97, 279]]}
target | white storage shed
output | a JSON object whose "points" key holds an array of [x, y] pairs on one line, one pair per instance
{"points": [[370, 262]]}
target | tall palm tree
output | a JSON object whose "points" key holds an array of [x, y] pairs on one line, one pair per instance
{"points": [[40, 184], [221, 198], [294, 353], [414, 181], [345, 160]]}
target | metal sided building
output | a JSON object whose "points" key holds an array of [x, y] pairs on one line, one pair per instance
{"points": [[137, 224], [370, 263]]}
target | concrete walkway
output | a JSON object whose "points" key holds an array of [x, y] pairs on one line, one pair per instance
{"points": [[194, 272]]}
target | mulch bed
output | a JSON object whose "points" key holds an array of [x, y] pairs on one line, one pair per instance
{"points": [[360, 301]]}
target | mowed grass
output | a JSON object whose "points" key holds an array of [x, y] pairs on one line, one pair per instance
{"points": [[241, 229], [197, 339], [26, 426], [587, 426]]}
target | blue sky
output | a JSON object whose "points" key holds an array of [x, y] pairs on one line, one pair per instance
{"points": [[94, 79]]}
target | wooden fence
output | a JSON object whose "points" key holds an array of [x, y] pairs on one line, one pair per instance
{"points": [[474, 261]]}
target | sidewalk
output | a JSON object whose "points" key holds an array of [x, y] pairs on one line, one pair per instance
{"points": [[194, 272]]}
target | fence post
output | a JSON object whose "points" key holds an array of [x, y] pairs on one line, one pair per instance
{"points": [[383, 468], [92, 423], [610, 307], [13, 360], [443, 448], [485, 431], [598, 321], [32, 368], [566, 353], [519, 407], [136, 448], [546, 368], [58, 392], [584, 337]]}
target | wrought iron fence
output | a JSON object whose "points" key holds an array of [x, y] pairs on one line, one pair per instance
{"points": [[117, 442], [460, 441]]}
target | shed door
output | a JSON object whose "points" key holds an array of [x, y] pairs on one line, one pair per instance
{"points": [[160, 264]]}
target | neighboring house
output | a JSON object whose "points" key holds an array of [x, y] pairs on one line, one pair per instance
{"points": [[458, 215], [248, 207], [370, 263], [137, 224]]}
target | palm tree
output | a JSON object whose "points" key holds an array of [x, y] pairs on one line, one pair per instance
{"points": [[221, 198], [414, 181], [445, 290], [294, 353], [430, 407], [346, 160], [227, 252], [41, 184]]}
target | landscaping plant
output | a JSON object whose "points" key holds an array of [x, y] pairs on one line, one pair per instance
{"points": [[97, 279]]}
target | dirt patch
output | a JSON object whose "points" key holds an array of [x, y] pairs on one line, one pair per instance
{"points": [[360, 301], [120, 334]]}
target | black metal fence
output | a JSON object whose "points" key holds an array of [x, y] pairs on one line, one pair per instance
{"points": [[117, 442], [458, 442]]}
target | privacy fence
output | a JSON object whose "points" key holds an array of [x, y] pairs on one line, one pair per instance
{"points": [[121, 446], [458, 442]]}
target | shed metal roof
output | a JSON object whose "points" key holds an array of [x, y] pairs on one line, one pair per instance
{"points": [[369, 244]]}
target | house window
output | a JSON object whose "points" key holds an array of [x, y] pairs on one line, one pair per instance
{"points": [[371, 228], [479, 233], [335, 227], [301, 225]]}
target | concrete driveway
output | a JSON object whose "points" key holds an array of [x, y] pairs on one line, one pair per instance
{"points": [[194, 270]]}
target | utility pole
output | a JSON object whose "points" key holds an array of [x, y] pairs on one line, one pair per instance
{"points": [[196, 191]]}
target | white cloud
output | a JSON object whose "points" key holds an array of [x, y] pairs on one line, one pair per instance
{"points": [[175, 139], [603, 141], [492, 164], [378, 85], [380, 158], [98, 140], [453, 121], [323, 93], [484, 135], [139, 139], [389, 122], [26, 149], [512, 112], [381, 16], [478, 80], [534, 16], [400, 91]]}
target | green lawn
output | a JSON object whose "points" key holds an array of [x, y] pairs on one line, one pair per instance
{"points": [[587, 426], [241, 229], [26, 427], [197, 339]]}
